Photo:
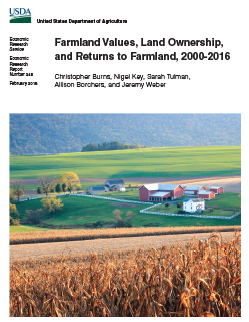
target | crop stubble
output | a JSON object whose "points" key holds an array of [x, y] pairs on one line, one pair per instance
{"points": [[198, 278]]}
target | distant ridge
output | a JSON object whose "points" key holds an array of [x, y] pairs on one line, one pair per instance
{"points": [[58, 133]]}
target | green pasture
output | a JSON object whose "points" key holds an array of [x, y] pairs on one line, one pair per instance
{"points": [[225, 200], [172, 209], [80, 210], [129, 194], [149, 162], [21, 229]]}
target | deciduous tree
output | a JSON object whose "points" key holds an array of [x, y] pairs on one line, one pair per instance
{"points": [[14, 220], [47, 184], [34, 216], [18, 189], [64, 187], [51, 204], [11, 194], [39, 190], [13, 211], [70, 179], [58, 188]]}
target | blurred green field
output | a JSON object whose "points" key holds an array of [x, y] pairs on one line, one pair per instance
{"points": [[20, 229], [225, 200], [149, 162]]}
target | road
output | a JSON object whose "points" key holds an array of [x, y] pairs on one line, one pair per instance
{"points": [[99, 245]]}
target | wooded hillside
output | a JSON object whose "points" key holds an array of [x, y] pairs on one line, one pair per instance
{"points": [[56, 133]]}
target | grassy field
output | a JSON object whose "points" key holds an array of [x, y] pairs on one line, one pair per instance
{"points": [[21, 229], [150, 162], [79, 210], [172, 209], [129, 194], [225, 200]]}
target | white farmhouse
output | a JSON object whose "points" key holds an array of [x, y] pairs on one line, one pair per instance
{"points": [[193, 205]]}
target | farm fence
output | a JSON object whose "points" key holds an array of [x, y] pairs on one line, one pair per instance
{"points": [[116, 199], [144, 211]]}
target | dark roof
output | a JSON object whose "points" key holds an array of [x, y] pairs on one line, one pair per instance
{"points": [[98, 187], [194, 199], [115, 181]]}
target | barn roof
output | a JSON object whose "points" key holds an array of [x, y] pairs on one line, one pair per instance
{"points": [[98, 187], [115, 181], [160, 193], [193, 187], [198, 200], [204, 192], [160, 186], [215, 187], [194, 200]]}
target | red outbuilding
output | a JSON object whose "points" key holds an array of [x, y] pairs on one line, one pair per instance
{"points": [[192, 190], [217, 189], [206, 194], [160, 192]]}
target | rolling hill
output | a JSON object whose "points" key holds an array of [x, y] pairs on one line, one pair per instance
{"points": [[62, 133]]}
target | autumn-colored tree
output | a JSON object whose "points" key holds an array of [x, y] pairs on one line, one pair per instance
{"points": [[47, 184], [123, 222], [129, 216], [14, 220], [11, 194], [70, 179], [13, 211], [51, 204], [64, 187], [117, 213], [39, 190], [18, 189], [78, 186]]}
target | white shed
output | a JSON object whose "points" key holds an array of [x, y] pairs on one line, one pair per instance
{"points": [[193, 205]]}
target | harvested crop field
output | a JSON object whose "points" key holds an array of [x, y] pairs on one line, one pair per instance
{"points": [[200, 278], [100, 245], [60, 235]]}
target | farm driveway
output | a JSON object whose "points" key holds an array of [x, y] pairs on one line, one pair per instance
{"points": [[100, 245]]}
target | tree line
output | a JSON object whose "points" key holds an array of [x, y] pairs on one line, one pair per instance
{"points": [[67, 181], [115, 145]]}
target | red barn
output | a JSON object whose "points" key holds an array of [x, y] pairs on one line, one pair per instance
{"points": [[217, 189], [160, 192], [206, 194], [193, 190]]}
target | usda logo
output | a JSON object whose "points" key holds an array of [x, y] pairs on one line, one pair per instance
{"points": [[20, 15]]}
